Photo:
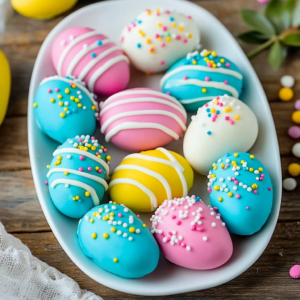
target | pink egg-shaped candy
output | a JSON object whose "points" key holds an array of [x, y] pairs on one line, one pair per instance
{"points": [[92, 58], [294, 132], [191, 234], [142, 119], [295, 271]]}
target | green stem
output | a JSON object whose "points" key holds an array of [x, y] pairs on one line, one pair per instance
{"points": [[262, 47]]}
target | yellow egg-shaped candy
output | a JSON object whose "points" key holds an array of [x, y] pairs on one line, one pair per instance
{"points": [[144, 180], [41, 9], [5, 83]]}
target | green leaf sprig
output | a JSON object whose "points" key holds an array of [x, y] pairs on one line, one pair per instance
{"points": [[277, 29]]}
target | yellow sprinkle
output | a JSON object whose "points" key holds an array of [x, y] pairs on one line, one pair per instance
{"points": [[105, 235], [59, 157], [213, 110], [168, 39], [85, 148], [260, 169], [62, 115], [66, 109], [99, 156], [48, 166], [73, 86], [79, 105], [52, 100], [194, 62], [230, 194], [252, 156], [60, 103], [242, 161], [77, 100], [66, 173], [115, 260], [159, 24], [251, 169], [214, 53], [190, 35], [216, 187], [254, 186], [96, 168], [93, 107], [222, 60], [72, 98], [159, 38], [77, 197], [148, 12], [89, 145], [74, 199], [98, 214], [67, 91], [108, 157], [214, 66], [237, 117], [215, 167], [92, 220], [94, 235], [212, 176], [173, 24], [220, 199], [93, 148], [144, 225], [59, 96], [236, 154], [55, 163], [94, 214], [157, 10], [143, 34], [148, 41], [112, 214], [86, 194], [222, 166], [113, 229], [286, 94], [204, 90], [180, 28], [132, 229], [35, 105]]}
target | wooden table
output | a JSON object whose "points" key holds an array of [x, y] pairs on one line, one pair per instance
{"points": [[20, 210]]}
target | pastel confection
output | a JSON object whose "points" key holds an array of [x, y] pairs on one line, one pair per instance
{"points": [[77, 175], [118, 241], [91, 57], [241, 188], [221, 125], [142, 119], [156, 39], [143, 181], [191, 234], [64, 108], [200, 77]]}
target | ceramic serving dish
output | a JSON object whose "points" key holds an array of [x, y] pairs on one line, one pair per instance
{"points": [[109, 18]]}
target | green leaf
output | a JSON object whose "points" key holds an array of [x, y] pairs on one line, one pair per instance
{"points": [[276, 55], [257, 22], [278, 16], [296, 18], [289, 6], [253, 37], [292, 39]]}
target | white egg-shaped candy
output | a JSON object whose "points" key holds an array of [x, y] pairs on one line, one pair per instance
{"points": [[296, 150], [289, 184]]}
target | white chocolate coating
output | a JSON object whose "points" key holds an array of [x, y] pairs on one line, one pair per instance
{"points": [[156, 39], [227, 127]]}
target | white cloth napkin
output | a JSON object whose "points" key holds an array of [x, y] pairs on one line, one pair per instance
{"points": [[25, 277]]}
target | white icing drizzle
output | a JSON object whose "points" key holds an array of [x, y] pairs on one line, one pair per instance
{"points": [[213, 84], [70, 46], [95, 60], [200, 68], [143, 112], [78, 184], [79, 86], [84, 153], [197, 99], [178, 169], [150, 173], [139, 125], [148, 192], [83, 174], [136, 100], [104, 68], [84, 52]]}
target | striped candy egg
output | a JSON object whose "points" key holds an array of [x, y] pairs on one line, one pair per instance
{"points": [[77, 175], [141, 119], [144, 180], [91, 57], [200, 77]]}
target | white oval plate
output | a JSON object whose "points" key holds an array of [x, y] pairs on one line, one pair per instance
{"points": [[109, 18]]}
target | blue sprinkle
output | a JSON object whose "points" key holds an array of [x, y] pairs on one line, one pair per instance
{"points": [[172, 19], [139, 45], [79, 200], [93, 54], [80, 144], [217, 112], [139, 21], [69, 112], [198, 57], [208, 109], [99, 43], [209, 115], [197, 199], [74, 110], [209, 132], [186, 62]]}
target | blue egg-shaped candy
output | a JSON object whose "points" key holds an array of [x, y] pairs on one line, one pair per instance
{"points": [[118, 241], [200, 77], [77, 175], [241, 188], [64, 108]]}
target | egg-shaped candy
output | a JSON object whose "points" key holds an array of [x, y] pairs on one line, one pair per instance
{"points": [[241, 188], [200, 77], [156, 39], [91, 57], [118, 241], [222, 125], [191, 234], [144, 180], [77, 175], [142, 119], [5, 84], [63, 108]]}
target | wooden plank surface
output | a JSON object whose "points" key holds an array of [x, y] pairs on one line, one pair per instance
{"points": [[21, 213]]}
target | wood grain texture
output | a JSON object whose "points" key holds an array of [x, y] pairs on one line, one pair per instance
{"points": [[20, 210]]}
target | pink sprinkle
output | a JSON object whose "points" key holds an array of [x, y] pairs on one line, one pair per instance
{"points": [[295, 271], [185, 77], [219, 214], [232, 122], [255, 192], [163, 235], [207, 79], [100, 171], [46, 182], [164, 28], [193, 227], [163, 45], [170, 233], [209, 65], [236, 182], [201, 217], [193, 197], [162, 62], [49, 90], [97, 153], [89, 169], [134, 25], [80, 169], [105, 150], [185, 40], [138, 216], [206, 105], [227, 118], [215, 208], [56, 89], [189, 17], [81, 157], [209, 190], [247, 207], [218, 98], [178, 223], [227, 65], [262, 175], [167, 12], [269, 189], [182, 244], [213, 119], [157, 35], [128, 28], [238, 196], [233, 178], [226, 81], [227, 165], [168, 93], [158, 14], [71, 83], [178, 37], [173, 217], [79, 140], [221, 104], [200, 228], [261, 178], [92, 137], [120, 215], [122, 38]]}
